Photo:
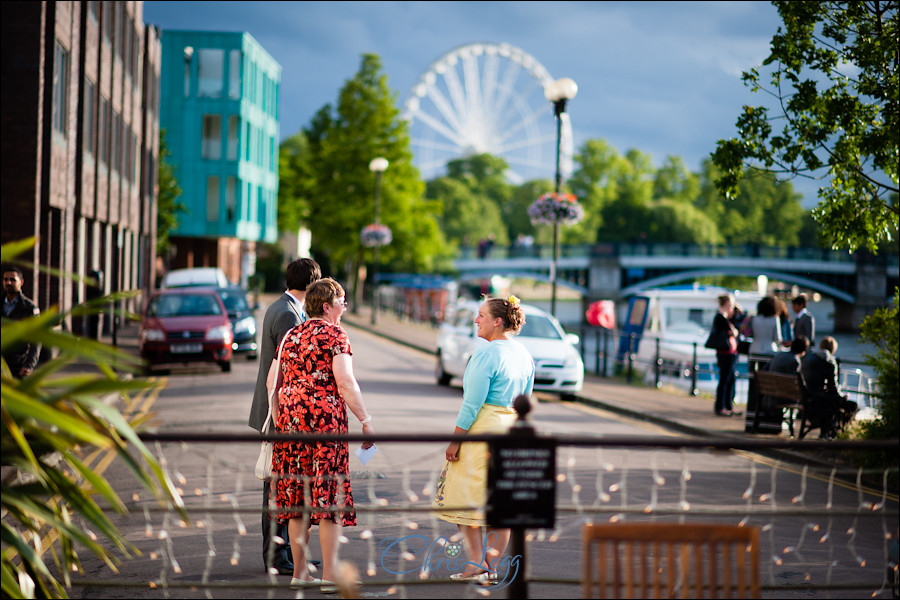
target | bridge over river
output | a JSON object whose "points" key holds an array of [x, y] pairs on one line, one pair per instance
{"points": [[857, 282]]}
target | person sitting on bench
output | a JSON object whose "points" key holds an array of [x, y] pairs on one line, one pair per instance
{"points": [[789, 361], [829, 403]]}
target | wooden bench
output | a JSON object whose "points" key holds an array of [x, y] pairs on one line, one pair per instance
{"points": [[790, 396]]}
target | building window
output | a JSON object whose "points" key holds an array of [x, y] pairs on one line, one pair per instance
{"points": [[230, 198], [212, 73], [234, 74], [212, 137], [212, 199], [233, 140], [90, 117], [60, 88]]}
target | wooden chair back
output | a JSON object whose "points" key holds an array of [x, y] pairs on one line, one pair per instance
{"points": [[666, 560]]}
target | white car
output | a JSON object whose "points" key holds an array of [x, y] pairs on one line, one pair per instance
{"points": [[558, 366]]}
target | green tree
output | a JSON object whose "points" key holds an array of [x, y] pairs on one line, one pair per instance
{"points": [[832, 73], [296, 183], [882, 328], [167, 204], [471, 196], [766, 211], [342, 141]]}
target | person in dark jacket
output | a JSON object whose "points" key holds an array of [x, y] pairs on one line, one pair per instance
{"points": [[22, 358], [804, 324], [789, 362], [830, 405]]}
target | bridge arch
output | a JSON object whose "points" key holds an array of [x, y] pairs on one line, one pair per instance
{"points": [[771, 274]]}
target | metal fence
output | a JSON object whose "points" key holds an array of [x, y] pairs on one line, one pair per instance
{"points": [[826, 527]]}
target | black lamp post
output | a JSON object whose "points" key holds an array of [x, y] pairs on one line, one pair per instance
{"points": [[378, 166], [559, 92]]}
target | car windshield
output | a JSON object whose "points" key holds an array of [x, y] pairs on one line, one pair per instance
{"points": [[537, 326], [234, 300], [184, 305]]}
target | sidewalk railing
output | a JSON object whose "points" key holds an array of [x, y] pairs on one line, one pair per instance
{"points": [[825, 528]]}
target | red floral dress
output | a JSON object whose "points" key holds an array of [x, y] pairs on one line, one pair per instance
{"points": [[312, 474]]}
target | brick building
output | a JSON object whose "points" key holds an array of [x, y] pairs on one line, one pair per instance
{"points": [[80, 142]]}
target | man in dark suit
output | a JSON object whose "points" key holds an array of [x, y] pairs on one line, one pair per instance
{"points": [[789, 361], [820, 371], [285, 313], [804, 324], [22, 358]]}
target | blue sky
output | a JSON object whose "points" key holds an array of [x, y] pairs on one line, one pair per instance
{"points": [[660, 77]]}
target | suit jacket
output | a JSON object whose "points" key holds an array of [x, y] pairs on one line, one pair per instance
{"points": [[280, 318], [806, 325], [26, 354], [820, 371], [784, 362]]}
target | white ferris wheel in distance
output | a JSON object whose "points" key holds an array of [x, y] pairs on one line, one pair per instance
{"points": [[487, 98]]}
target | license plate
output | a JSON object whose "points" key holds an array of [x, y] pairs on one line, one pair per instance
{"points": [[187, 348]]}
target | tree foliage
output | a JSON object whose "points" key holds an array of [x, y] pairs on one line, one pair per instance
{"points": [[342, 140], [168, 204], [49, 418], [833, 78]]}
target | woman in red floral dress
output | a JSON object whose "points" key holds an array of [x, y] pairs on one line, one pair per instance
{"points": [[318, 385]]}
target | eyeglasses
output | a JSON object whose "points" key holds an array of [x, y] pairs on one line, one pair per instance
{"points": [[340, 302]]}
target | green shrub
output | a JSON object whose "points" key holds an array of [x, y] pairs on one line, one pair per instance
{"points": [[49, 418]]}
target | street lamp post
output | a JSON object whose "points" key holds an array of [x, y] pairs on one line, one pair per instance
{"points": [[378, 166], [559, 92]]}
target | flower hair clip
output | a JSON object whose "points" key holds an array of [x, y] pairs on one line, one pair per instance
{"points": [[513, 301]]}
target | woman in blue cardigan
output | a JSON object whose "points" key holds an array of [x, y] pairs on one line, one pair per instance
{"points": [[496, 374]]}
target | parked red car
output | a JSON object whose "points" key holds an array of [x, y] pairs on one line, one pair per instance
{"points": [[186, 325]]}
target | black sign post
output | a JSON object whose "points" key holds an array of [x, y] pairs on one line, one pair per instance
{"points": [[521, 488]]}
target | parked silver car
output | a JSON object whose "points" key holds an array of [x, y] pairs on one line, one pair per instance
{"points": [[558, 366]]}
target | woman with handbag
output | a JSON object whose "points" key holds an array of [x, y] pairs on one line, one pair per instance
{"points": [[724, 340], [316, 388], [496, 374]]}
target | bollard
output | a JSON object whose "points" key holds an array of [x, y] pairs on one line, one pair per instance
{"points": [[605, 353], [518, 587], [630, 377], [694, 390], [658, 363], [597, 353]]}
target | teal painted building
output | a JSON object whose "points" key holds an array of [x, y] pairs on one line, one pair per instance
{"points": [[219, 109]]}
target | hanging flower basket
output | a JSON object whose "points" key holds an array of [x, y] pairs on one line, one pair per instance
{"points": [[555, 208], [375, 235]]}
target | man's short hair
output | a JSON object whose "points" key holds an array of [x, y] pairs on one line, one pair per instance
{"points": [[828, 343], [302, 272], [800, 300], [16, 270], [800, 344]]}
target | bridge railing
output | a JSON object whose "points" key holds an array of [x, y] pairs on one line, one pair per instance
{"points": [[654, 249]]}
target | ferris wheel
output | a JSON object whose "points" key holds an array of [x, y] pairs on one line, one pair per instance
{"points": [[487, 98]]}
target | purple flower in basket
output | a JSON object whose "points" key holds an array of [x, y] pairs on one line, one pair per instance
{"points": [[555, 208], [375, 235]]}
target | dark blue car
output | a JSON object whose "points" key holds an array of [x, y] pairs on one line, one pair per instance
{"points": [[243, 320]]}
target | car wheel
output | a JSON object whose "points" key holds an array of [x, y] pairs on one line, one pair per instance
{"points": [[226, 366], [443, 377], [252, 356]]}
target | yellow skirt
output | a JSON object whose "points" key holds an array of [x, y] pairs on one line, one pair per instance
{"points": [[463, 483]]}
